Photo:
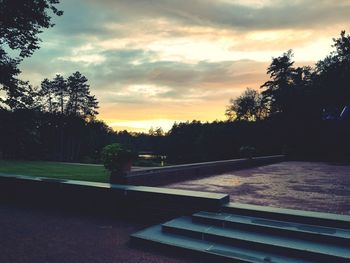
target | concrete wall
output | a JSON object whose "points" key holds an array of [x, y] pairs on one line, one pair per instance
{"points": [[124, 200], [177, 173]]}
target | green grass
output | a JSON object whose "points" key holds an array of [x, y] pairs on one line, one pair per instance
{"points": [[83, 172]]}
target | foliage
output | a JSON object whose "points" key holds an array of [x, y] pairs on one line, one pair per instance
{"points": [[333, 76], [54, 122], [197, 142], [31, 134], [278, 89], [248, 107], [158, 131], [20, 23], [115, 156], [305, 103], [299, 111], [53, 94], [68, 96], [80, 101]]}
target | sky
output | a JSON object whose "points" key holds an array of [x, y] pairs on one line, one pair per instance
{"points": [[151, 63]]}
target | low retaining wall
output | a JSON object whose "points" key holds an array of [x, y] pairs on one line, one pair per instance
{"points": [[138, 201], [177, 173]]}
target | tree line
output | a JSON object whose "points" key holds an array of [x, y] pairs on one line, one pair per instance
{"points": [[309, 104], [55, 121], [302, 111]]}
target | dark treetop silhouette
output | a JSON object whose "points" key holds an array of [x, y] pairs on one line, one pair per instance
{"points": [[20, 23], [297, 111]]}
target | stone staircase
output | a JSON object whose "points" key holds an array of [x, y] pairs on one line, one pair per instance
{"points": [[246, 233]]}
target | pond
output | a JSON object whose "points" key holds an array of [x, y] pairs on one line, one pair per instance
{"points": [[151, 159]]}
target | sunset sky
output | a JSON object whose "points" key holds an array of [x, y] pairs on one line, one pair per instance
{"points": [[154, 62]]}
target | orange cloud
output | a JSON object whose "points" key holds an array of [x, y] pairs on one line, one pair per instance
{"points": [[160, 61]]}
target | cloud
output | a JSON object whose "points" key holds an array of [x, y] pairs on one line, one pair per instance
{"points": [[174, 80], [198, 30], [166, 59], [134, 24], [235, 14]]}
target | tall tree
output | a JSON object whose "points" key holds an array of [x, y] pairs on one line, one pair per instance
{"points": [[18, 93], [47, 96], [60, 89], [71, 99], [333, 75], [69, 96], [54, 94], [278, 89], [304, 98], [20, 23], [8, 71], [22, 96], [249, 107], [80, 101]]}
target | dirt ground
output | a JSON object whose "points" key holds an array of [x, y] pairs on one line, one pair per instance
{"points": [[315, 186]]}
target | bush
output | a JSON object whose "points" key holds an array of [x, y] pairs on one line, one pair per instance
{"points": [[115, 157]]}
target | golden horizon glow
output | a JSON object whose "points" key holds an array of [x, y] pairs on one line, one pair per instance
{"points": [[160, 62]]}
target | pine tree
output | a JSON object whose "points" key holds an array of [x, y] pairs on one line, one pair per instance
{"points": [[279, 88], [80, 102]]}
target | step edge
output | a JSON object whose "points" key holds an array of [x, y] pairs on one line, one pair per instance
{"points": [[164, 226], [139, 236], [224, 220], [287, 211]]}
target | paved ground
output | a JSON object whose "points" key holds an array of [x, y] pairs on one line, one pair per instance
{"points": [[299, 185], [36, 235], [33, 235]]}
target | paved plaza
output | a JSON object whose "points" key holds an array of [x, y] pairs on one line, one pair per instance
{"points": [[316, 186]]}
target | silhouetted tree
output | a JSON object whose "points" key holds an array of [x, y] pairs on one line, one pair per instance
{"points": [[70, 104], [158, 131], [278, 90], [295, 97], [47, 96], [8, 77], [19, 95], [249, 107], [20, 23], [54, 94], [333, 76], [80, 101], [60, 89], [68, 97]]}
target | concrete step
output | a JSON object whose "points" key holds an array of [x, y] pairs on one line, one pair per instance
{"points": [[206, 250], [289, 215], [314, 251], [322, 234]]}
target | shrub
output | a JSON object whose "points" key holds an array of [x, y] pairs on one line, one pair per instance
{"points": [[115, 157]]}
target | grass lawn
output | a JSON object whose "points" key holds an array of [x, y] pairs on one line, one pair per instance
{"points": [[83, 172]]}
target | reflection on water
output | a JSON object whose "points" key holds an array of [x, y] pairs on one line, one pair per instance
{"points": [[159, 160]]}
